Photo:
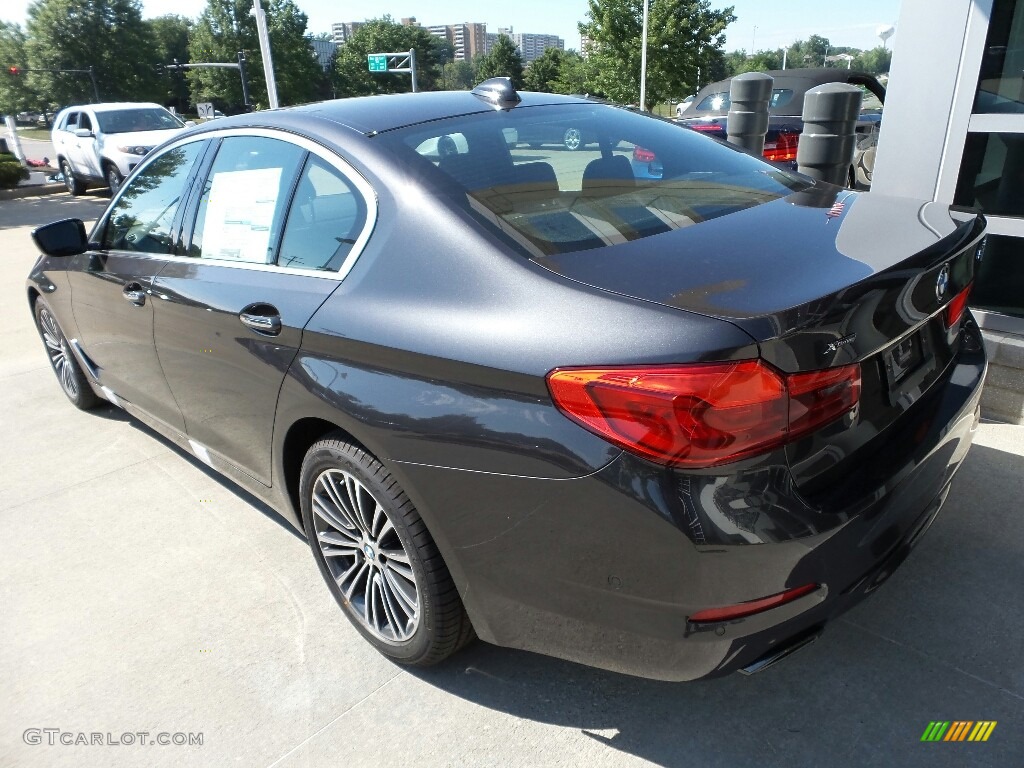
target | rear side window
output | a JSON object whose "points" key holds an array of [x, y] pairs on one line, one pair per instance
{"points": [[241, 210], [718, 102], [71, 121], [325, 219], [575, 177]]}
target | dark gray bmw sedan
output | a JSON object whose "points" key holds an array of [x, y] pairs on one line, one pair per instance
{"points": [[667, 426]]}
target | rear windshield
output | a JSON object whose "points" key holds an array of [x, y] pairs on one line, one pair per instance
{"points": [[574, 177], [720, 102], [132, 120]]}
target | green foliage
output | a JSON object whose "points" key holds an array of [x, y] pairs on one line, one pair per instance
{"points": [[503, 61], [683, 37], [806, 53], [384, 35], [876, 61], [227, 27], [108, 35], [542, 73], [574, 75], [458, 76], [170, 36], [739, 62], [15, 95], [11, 172]]}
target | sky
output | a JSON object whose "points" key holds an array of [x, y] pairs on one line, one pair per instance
{"points": [[760, 24]]}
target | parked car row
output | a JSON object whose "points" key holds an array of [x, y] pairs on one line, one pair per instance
{"points": [[708, 112]]}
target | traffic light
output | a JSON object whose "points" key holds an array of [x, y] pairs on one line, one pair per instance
{"points": [[15, 71]]}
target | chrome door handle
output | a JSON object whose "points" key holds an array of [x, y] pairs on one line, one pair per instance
{"points": [[134, 294], [268, 325]]}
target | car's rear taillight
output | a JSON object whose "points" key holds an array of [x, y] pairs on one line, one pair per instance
{"points": [[642, 155], [783, 149], [957, 305], [704, 414]]}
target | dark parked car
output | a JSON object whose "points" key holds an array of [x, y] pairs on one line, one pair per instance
{"points": [[669, 426], [710, 109]]}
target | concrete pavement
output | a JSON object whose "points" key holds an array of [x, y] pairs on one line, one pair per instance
{"points": [[141, 592]]}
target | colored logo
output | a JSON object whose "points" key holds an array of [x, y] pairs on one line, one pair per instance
{"points": [[942, 283], [958, 730]]}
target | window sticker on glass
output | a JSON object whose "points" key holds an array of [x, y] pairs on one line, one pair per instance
{"points": [[239, 215]]}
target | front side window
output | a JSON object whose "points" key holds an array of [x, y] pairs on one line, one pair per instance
{"points": [[141, 219], [241, 211], [84, 122], [629, 176], [326, 217]]}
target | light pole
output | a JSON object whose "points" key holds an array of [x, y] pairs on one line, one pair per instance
{"points": [[643, 59], [268, 62]]}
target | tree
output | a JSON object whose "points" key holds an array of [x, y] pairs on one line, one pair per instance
{"points": [[683, 36], [108, 35], [170, 37], [574, 74], [810, 52], [739, 62], [15, 95], [876, 61], [542, 73], [383, 35], [458, 76], [503, 61], [227, 27]]}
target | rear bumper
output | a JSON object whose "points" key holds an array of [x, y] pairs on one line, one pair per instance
{"points": [[605, 570]]}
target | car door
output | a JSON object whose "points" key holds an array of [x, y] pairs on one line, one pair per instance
{"points": [[87, 155], [66, 143], [111, 283], [230, 317]]}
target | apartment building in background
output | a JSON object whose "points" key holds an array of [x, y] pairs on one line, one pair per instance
{"points": [[468, 39], [532, 45], [342, 31]]}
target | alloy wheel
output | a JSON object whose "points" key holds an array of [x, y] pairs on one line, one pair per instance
{"points": [[57, 349], [572, 139], [113, 179], [69, 179], [365, 556]]}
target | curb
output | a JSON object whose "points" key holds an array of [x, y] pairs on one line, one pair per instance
{"points": [[32, 191]]}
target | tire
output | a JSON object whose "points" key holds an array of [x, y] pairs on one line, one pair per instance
{"points": [[572, 139], [74, 186], [378, 558], [113, 177], [69, 374]]}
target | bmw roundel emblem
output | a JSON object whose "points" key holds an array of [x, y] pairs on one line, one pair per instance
{"points": [[942, 284]]}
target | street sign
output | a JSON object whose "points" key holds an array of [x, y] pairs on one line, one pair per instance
{"points": [[378, 62], [205, 109], [403, 62]]}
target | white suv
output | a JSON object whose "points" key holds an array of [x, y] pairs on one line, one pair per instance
{"points": [[100, 144]]}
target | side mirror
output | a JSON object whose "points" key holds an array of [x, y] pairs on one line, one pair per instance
{"points": [[83, 133], [62, 238]]}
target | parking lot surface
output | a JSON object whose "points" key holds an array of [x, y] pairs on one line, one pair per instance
{"points": [[140, 592]]}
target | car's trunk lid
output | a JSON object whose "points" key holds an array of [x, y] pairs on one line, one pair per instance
{"points": [[822, 278]]}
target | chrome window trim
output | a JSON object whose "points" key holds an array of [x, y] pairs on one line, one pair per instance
{"points": [[338, 163]]}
